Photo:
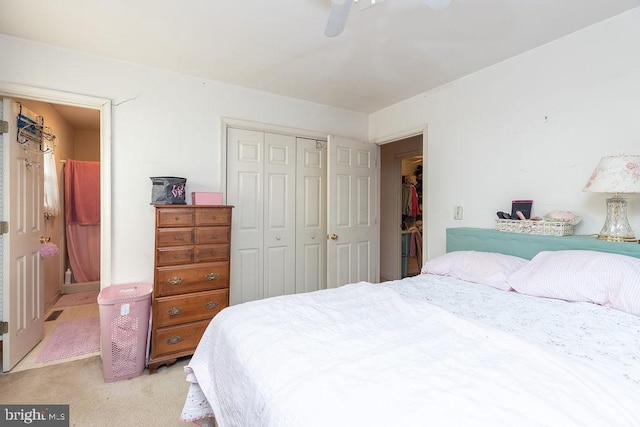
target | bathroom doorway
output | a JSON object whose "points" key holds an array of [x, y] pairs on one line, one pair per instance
{"points": [[77, 142], [9, 303]]}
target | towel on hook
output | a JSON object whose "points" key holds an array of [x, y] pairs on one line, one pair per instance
{"points": [[82, 192]]}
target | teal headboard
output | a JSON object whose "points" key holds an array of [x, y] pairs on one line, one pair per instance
{"points": [[528, 245]]}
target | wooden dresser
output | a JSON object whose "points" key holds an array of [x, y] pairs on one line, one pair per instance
{"points": [[191, 279]]}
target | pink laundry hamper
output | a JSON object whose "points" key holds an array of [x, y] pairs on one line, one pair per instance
{"points": [[124, 329]]}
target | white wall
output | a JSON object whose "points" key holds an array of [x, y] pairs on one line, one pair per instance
{"points": [[162, 124], [532, 127]]}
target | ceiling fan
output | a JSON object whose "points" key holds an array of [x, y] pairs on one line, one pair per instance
{"points": [[340, 11]]}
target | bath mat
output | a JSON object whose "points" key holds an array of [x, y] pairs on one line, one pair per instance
{"points": [[79, 298], [72, 338]]}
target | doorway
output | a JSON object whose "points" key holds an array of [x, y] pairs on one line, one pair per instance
{"points": [[10, 300], [399, 158], [77, 138]]}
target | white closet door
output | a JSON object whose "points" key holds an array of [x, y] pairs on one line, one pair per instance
{"points": [[280, 215], [245, 191], [311, 228], [261, 174], [351, 205]]}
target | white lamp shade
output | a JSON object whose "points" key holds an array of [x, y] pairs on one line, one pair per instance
{"points": [[616, 174]]}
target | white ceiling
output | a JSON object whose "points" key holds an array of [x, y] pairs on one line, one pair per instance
{"points": [[387, 53]]}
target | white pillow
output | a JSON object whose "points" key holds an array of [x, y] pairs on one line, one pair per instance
{"points": [[628, 298], [487, 268], [577, 275]]}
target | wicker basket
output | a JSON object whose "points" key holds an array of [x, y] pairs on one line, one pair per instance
{"points": [[547, 228]]}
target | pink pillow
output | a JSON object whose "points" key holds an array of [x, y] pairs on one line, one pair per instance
{"points": [[578, 275], [487, 268]]}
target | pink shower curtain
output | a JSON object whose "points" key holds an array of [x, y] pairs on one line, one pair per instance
{"points": [[82, 213]]}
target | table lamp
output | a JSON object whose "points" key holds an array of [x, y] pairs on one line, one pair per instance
{"points": [[616, 174]]}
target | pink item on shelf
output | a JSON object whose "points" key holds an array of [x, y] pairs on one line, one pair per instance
{"points": [[206, 198]]}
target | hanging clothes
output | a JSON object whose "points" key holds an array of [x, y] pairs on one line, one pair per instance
{"points": [[415, 205], [410, 201], [406, 199]]}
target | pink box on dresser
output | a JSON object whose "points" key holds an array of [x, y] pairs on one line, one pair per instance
{"points": [[206, 198]]}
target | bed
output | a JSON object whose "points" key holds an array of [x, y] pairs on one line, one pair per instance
{"points": [[549, 336]]}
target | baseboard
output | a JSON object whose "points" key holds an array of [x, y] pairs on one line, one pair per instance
{"points": [[49, 304], [75, 288]]}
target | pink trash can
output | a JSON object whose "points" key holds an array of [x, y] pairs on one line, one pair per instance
{"points": [[124, 328]]}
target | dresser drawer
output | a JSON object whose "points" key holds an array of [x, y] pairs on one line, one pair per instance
{"points": [[189, 308], [172, 255], [176, 339], [204, 253], [206, 235], [173, 280], [174, 217], [174, 236], [213, 216]]}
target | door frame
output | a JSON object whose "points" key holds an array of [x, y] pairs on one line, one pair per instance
{"points": [[104, 106]]}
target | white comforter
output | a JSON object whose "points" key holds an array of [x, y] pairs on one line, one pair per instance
{"points": [[362, 355]]}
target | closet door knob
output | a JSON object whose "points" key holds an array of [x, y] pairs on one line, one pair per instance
{"points": [[333, 237]]}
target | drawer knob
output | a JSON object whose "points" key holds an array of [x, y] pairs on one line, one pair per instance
{"points": [[212, 276], [174, 340], [178, 237], [214, 236], [174, 311], [211, 305], [177, 218], [214, 217], [175, 280]]}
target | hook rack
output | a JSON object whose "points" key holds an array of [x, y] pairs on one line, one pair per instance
{"points": [[32, 134]]}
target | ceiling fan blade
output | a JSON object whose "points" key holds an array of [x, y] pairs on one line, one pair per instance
{"points": [[437, 4], [365, 4], [337, 17]]}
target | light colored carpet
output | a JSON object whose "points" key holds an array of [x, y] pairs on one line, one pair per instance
{"points": [[72, 338], [146, 400], [80, 298]]}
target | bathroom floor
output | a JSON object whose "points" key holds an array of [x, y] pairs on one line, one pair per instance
{"points": [[67, 313]]}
